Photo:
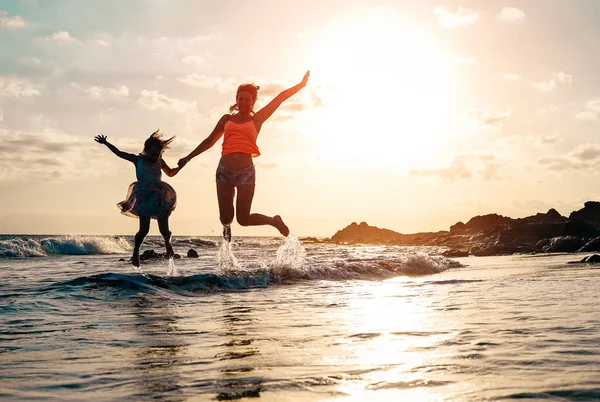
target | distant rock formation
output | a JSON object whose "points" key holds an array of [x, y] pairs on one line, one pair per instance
{"points": [[494, 234]]}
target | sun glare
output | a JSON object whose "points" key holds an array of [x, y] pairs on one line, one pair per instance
{"points": [[389, 93]]}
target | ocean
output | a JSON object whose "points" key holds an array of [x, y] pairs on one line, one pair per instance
{"points": [[292, 320]]}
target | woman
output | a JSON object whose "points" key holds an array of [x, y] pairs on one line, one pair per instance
{"points": [[236, 169]]}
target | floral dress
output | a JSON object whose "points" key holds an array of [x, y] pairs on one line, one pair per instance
{"points": [[149, 196]]}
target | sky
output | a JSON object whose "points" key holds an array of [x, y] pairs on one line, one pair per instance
{"points": [[417, 114]]}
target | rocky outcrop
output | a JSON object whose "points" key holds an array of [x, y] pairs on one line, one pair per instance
{"points": [[590, 213], [364, 233], [494, 234], [192, 253]]}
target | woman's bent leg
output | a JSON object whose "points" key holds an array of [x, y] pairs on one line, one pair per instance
{"points": [[245, 218]]}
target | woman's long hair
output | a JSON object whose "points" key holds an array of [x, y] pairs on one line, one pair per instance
{"points": [[250, 88]]}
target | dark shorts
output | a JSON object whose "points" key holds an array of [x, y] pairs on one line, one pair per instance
{"points": [[240, 177]]}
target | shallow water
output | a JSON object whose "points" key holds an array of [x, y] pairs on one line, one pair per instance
{"points": [[286, 321]]}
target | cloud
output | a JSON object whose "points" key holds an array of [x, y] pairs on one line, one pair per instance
{"points": [[478, 167], [178, 48], [547, 110], [550, 85], [583, 157], [464, 60], [49, 154], [153, 100], [594, 105], [58, 37], [14, 87], [511, 76], [461, 16], [101, 42], [511, 14], [209, 82], [98, 92], [591, 112], [484, 119], [586, 152], [1, 115], [550, 139], [563, 78], [11, 22], [586, 115], [195, 60], [545, 86]]}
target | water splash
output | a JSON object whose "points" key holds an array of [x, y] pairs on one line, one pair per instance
{"points": [[225, 258], [291, 254], [172, 269]]}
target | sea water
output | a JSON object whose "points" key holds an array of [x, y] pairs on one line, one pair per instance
{"points": [[292, 320]]}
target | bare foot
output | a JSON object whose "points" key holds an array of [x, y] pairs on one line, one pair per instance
{"points": [[283, 229], [135, 259], [170, 252], [227, 233]]}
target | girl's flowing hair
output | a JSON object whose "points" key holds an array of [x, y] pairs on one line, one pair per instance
{"points": [[156, 140], [252, 89]]}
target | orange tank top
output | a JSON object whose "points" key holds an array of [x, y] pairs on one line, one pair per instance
{"points": [[240, 138]]}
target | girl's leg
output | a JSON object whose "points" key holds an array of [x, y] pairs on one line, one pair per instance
{"points": [[245, 218], [225, 194], [163, 227], [139, 238]]}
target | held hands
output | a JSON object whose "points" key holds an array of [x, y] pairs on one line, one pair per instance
{"points": [[182, 162], [305, 79], [101, 139]]}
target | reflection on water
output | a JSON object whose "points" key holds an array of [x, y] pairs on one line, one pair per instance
{"points": [[239, 353], [162, 350]]}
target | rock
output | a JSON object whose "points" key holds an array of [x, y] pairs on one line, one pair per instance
{"points": [[592, 245], [590, 213], [494, 234], [149, 254], [457, 227], [481, 222], [581, 228], [562, 244], [452, 253], [192, 253], [553, 213], [152, 255], [487, 251], [592, 259], [122, 259], [364, 233]]}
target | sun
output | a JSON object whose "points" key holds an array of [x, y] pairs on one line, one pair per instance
{"points": [[389, 92]]}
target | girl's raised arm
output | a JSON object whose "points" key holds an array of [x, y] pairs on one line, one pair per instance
{"points": [[263, 114], [101, 139]]}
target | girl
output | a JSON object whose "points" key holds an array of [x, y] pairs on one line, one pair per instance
{"points": [[149, 197], [236, 169]]}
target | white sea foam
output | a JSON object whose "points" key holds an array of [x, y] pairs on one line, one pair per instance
{"points": [[70, 245], [411, 264]]}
